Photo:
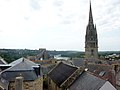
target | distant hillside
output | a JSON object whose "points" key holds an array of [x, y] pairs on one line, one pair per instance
{"points": [[109, 52], [67, 53], [12, 54]]}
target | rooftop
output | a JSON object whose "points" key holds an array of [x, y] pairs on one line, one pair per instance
{"points": [[61, 72], [19, 67], [87, 81]]}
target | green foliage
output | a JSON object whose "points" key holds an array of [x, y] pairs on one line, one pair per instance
{"points": [[10, 55], [13, 54], [104, 53], [74, 55]]}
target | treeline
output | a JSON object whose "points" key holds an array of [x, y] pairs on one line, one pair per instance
{"points": [[79, 54], [71, 54], [12, 54], [104, 53]]}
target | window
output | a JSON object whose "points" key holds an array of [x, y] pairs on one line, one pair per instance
{"points": [[92, 52]]}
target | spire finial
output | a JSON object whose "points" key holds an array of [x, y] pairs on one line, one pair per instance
{"points": [[90, 2], [90, 14]]}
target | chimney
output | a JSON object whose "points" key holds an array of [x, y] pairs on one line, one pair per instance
{"points": [[19, 83], [112, 78], [37, 70]]}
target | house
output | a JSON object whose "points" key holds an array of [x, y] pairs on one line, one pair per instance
{"points": [[59, 74], [43, 55], [3, 64], [78, 62], [68, 77], [105, 71], [29, 72], [2, 61], [87, 81]]}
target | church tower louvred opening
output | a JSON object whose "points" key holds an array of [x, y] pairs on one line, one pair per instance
{"points": [[91, 40]]}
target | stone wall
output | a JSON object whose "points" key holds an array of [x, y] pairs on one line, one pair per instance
{"points": [[29, 85], [52, 85], [91, 55], [38, 84]]}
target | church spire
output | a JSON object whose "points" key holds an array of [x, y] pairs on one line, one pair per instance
{"points": [[91, 41], [90, 15]]}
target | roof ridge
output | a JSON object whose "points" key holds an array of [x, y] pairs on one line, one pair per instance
{"points": [[96, 75], [70, 65], [64, 64], [73, 77]]}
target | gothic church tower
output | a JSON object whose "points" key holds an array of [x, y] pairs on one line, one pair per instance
{"points": [[91, 40]]}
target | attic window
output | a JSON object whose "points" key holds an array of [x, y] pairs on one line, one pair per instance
{"points": [[102, 73]]}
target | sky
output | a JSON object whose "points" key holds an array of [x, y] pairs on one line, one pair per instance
{"points": [[58, 24]]}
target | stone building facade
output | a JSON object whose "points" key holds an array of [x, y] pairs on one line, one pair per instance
{"points": [[91, 40], [52, 85], [29, 85], [22, 75]]}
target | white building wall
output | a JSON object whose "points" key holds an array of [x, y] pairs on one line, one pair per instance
{"points": [[107, 86]]}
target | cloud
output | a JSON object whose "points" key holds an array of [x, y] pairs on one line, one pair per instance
{"points": [[26, 18], [58, 3], [35, 4], [1, 31], [107, 15], [37, 23]]}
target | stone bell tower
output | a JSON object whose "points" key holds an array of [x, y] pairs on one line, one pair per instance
{"points": [[91, 40]]}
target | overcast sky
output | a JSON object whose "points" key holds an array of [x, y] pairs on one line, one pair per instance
{"points": [[58, 24]]}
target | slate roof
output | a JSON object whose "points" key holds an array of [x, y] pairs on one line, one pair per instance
{"points": [[28, 62], [113, 62], [61, 72], [45, 69], [19, 67], [11, 75], [78, 62], [3, 83], [87, 81], [99, 68], [23, 65]]}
